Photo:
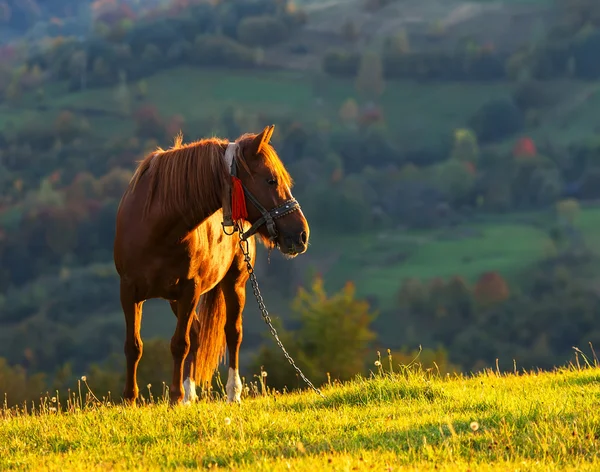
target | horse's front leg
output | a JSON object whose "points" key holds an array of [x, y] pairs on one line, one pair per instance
{"points": [[234, 289], [132, 309], [189, 364], [180, 342]]}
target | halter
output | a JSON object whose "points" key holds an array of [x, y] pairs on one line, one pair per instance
{"points": [[268, 217]]}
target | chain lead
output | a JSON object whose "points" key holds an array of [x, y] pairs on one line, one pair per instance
{"points": [[244, 246]]}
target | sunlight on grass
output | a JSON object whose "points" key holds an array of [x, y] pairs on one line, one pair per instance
{"points": [[412, 419]]}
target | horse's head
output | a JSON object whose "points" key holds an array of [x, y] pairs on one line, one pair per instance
{"points": [[269, 200]]}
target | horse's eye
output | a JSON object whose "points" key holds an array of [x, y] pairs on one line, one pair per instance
{"points": [[272, 182]]}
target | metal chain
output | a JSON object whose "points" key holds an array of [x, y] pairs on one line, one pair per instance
{"points": [[265, 314]]}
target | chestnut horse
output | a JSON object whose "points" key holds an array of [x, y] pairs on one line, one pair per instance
{"points": [[171, 242]]}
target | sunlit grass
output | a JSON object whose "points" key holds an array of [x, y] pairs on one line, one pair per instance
{"points": [[412, 420]]}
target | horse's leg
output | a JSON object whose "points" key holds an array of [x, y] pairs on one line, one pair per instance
{"points": [[234, 289], [180, 342], [189, 365], [132, 309]]}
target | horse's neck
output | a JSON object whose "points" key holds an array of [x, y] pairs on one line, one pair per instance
{"points": [[174, 226], [197, 218]]}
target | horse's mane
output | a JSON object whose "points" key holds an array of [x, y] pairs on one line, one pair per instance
{"points": [[195, 173]]}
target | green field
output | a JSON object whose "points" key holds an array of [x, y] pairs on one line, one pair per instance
{"points": [[414, 112], [379, 263], [413, 421], [202, 93]]}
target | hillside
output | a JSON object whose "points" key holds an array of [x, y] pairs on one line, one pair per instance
{"points": [[448, 175], [410, 421], [506, 23]]}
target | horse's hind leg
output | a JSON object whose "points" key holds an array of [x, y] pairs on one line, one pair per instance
{"points": [[234, 289], [132, 309], [189, 365], [180, 342]]}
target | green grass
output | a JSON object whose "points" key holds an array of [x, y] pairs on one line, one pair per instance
{"points": [[415, 112], [378, 263], [434, 109], [417, 421]]}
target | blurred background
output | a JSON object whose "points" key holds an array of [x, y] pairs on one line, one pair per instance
{"points": [[446, 154]]}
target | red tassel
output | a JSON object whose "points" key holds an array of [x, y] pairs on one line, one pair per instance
{"points": [[238, 201]]}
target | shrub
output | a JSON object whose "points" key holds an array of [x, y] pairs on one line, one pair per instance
{"points": [[164, 33], [442, 65], [341, 63], [38, 133], [590, 185], [151, 54], [212, 50], [455, 180], [261, 31], [531, 94], [69, 126], [148, 122], [179, 51]]}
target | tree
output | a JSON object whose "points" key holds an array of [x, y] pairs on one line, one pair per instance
{"points": [[78, 67], [491, 288], [350, 31], [568, 210], [369, 81], [122, 94], [349, 112], [333, 337], [524, 148], [261, 31], [465, 147], [455, 179], [399, 43], [496, 120]]}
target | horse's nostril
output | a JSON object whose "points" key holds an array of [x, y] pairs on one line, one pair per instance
{"points": [[303, 237]]}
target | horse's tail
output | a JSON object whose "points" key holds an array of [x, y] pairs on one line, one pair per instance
{"points": [[211, 335]]}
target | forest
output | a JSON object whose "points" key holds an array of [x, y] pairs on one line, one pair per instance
{"points": [[451, 183]]}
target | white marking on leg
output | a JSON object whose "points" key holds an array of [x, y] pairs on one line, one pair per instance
{"points": [[234, 386], [189, 391]]}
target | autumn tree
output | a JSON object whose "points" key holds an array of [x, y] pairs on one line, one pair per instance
{"points": [[333, 337], [524, 148], [491, 288], [466, 148], [148, 122]]}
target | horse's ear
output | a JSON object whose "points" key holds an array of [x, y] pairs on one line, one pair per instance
{"points": [[262, 139]]}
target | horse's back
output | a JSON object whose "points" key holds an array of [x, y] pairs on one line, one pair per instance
{"points": [[156, 265]]}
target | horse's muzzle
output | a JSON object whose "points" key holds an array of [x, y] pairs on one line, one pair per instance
{"points": [[294, 243]]}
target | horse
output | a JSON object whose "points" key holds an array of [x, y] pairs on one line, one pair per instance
{"points": [[172, 242]]}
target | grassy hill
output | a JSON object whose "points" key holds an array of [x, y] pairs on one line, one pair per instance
{"points": [[416, 112], [410, 421]]}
